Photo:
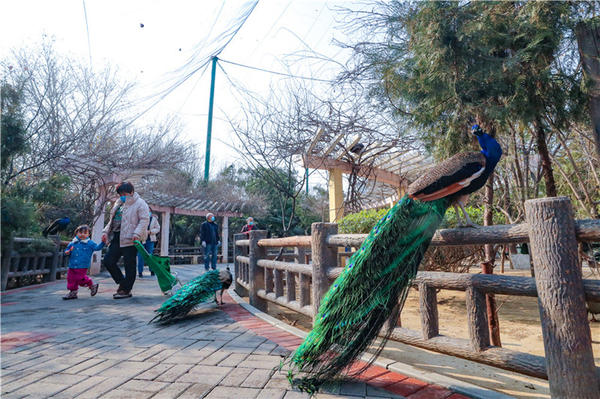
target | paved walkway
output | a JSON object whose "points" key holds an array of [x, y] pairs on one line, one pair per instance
{"points": [[101, 347]]}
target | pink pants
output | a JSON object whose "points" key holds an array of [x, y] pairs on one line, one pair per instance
{"points": [[76, 278]]}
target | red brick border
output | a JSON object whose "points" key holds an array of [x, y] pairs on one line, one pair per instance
{"points": [[373, 375]]}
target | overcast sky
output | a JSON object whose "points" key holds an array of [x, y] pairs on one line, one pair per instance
{"points": [[150, 54]]}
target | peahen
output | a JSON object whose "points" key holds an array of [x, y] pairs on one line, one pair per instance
{"points": [[375, 281], [201, 289]]}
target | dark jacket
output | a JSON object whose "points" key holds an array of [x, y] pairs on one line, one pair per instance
{"points": [[209, 233]]}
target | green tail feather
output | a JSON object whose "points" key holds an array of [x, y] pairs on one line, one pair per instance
{"points": [[375, 280], [198, 290]]}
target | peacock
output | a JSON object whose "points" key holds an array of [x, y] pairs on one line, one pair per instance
{"points": [[374, 283], [201, 289], [56, 226]]}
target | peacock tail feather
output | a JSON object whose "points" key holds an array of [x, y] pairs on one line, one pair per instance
{"points": [[373, 285], [196, 291]]}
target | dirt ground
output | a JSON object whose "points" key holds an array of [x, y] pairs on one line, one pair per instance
{"points": [[520, 330]]}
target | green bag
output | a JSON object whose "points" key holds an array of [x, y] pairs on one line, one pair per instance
{"points": [[160, 266]]}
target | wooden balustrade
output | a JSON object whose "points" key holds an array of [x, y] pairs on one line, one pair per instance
{"points": [[553, 234]]}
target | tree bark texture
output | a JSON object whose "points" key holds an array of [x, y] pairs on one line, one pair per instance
{"points": [[540, 138], [561, 299]]}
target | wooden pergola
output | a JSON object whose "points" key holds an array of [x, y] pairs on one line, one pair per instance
{"points": [[167, 205], [390, 172]]}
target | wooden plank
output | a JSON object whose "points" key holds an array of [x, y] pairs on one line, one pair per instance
{"points": [[288, 266], [295, 241], [278, 275], [305, 310], [331, 147], [315, 140], [304, 290], [506, 359]]}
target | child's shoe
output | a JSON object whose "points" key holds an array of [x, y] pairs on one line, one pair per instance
{"points": [[71, 295], [94, 289]]}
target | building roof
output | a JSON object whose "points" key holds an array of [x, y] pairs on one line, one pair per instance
{"points": [[162, 202]]}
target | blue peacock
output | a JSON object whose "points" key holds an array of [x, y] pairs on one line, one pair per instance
{"points": [[375, 281]]}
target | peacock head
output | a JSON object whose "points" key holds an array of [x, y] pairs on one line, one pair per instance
{"points": [[489, 146]]}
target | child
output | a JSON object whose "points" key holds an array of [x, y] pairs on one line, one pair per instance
{"points": [[81, 250]]}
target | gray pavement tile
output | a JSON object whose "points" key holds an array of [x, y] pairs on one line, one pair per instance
{"points": [[9, 376], [258, 378], [353, 388], [162, 355], [30, 378], [233, 360], [374, 392], [269, 393], [215, 357], [62, 379], [154, 372], [40, 389], [231, 392], [120, 353], [24, 365], [86, 364], [183, 357], [147, 353], [13, 395], [278, 381], [74, 391], [280, 351], [264, 348], [198, 345], [172, 391], [98, 368], [202, 374], [174, 373], [143, 385], [59, 364], [9, 360], [126, 394], [296, 395], [236, 377], [196, 391], [107, 385], [128, 369], [261, 361]]}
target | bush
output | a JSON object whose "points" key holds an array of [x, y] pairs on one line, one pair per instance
{"points": [[361, 222]]}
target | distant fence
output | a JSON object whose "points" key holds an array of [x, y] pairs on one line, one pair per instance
{"points": [[44, 265], [552, 233]]}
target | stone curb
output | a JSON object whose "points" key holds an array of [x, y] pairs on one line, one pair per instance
{"points": [[453, 384]]}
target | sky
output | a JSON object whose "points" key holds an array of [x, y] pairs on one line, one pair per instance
{"points": [[175, 32]]}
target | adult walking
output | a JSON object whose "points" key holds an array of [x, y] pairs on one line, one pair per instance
{"points": [[153, 230], [128, 222], [209, 235]]}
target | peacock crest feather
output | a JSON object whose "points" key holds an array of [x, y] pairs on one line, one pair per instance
{"points": [[373, 285]]}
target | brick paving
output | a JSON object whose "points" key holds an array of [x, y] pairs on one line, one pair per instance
{"points": [[104, 348]]}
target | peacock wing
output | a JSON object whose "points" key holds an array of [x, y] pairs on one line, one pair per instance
{"points": [[448, 177]]}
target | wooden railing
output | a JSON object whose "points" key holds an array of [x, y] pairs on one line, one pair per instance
{"points": [[49, 265], [552, 233]]}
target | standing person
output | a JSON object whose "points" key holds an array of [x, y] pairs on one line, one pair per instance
{"points": [[249, 226], [81, 250], [153, 229], [128, 222], [209, 235]]}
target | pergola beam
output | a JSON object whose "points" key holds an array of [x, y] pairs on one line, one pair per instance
{"points": [[380, 175], [191, 212]]}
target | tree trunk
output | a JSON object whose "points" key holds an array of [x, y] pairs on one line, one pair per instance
{"points": [[588, 40], [540, 137]]}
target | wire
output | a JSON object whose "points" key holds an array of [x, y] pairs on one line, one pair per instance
{"points": [[87, 29], [275, 72]]}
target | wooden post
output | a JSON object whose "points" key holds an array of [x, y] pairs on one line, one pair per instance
{"points": [[164, 233], [225, 240], [238, 267], [429, 311], [490, 304], [323, 258], [477, 318], [6, 261], [561, 299], [257, 276], [97, 229], [55, 255]]}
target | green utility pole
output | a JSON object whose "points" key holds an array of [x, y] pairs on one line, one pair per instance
{"points": [[211, 101], [306, 181]]}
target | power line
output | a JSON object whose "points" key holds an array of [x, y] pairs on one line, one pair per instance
{"points": [[274, 72]]}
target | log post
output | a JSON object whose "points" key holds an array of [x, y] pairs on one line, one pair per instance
{"points": [[237, 266], [490, 303], [55, 255], [323, 258], [6, 262], [561, 299], [477, 318], [429, 311], [257, 276]]}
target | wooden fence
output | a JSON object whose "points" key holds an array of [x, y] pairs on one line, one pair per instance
{"points": [[552, 233], [49, 265]]}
